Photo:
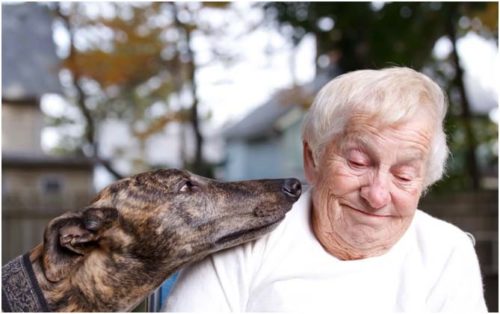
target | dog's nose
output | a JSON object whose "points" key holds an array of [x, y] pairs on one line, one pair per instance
{"points": [[292, 188]]}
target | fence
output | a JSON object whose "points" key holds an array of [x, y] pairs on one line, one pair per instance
{"points": [[25, 216], [477, 213]]}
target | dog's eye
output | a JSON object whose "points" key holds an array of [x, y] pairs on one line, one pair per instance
{"points": [[187, 186]]}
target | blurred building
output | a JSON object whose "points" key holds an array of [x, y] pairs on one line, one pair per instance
{"points": [[267, 142], [35, 187]]}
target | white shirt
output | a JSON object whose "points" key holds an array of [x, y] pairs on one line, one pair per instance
{"points": [[433, 267]]}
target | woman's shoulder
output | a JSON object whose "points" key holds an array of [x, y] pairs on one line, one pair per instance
{"points": [[439, 237], [425, 222], [295, 225], [289, 234]]}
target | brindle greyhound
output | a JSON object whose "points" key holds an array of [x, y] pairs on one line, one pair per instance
{"points": [[138, 231]]}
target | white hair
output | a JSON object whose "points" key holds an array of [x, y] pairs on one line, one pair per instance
{"points": [[389, 96]]}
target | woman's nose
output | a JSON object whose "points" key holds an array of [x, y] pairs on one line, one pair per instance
{"points": [[376, 193]]}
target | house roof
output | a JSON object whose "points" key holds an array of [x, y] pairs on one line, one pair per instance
{"points": [[258, 122], [262, 121], [29, 61]]}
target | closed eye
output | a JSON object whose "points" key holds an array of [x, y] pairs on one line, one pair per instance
{"points": [[357, 158], [357, 164], [405, 173], [404, 178]]}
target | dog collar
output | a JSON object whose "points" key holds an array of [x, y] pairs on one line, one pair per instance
{"points": [[20, 289]]}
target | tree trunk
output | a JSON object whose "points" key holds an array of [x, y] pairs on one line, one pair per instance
{"points": [[89, 133], [197, 164], [195, 122], [470, 140]]}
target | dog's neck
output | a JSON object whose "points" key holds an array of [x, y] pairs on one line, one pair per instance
{"points": [[94, 286]]}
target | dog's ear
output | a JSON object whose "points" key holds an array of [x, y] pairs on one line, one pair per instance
{"points": [[70, 237]]}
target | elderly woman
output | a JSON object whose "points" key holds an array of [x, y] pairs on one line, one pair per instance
{"points": [[373, 142]]}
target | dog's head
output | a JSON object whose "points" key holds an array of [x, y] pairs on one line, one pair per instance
{"points": [[157, 221]]}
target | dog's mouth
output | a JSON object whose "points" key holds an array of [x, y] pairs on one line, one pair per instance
{"points": [[243, 234]]}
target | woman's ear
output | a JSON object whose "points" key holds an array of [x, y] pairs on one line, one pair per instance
{"points": [[310, 169]]}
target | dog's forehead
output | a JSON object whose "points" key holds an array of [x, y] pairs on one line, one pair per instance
{"points": [[146, 182], [173, 174], [162, 177]]}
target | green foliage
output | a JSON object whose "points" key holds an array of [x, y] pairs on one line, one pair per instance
{"points": [[486, 132], [366, 35]]}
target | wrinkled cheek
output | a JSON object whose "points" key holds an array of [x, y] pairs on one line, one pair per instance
{"points": [[410, 202], [409, 209], [343, 183], [323, 193]]}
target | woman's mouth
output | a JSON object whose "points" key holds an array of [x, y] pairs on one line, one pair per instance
{"points": [[368, 213]]}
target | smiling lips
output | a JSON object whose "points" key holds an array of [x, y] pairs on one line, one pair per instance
{"points": [[368, 213]]}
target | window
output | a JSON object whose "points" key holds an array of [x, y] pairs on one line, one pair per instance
{"points": [[52, 185]]}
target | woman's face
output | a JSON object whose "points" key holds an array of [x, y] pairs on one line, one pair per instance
{"points": [[367, 184]]}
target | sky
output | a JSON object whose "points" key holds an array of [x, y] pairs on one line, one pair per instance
{"points": [[230, 93]]}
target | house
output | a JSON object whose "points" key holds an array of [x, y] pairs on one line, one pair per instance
{"points": [[35, 187], [267, 142]]}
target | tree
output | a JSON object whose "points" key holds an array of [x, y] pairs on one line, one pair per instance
{"points": [[123, 63], [109, 78], [363, 35]]}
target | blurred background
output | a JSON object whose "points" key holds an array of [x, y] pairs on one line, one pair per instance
{"points": [[92, 92]]}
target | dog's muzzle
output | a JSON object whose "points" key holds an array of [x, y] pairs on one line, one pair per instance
{"points": [[20, 289]]}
